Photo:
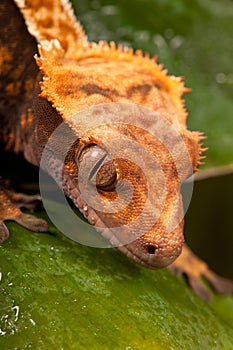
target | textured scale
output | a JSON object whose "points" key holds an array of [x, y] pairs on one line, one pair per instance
{"points": [[71, 74]]}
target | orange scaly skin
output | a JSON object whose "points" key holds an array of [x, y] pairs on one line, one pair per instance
{"points": [[71, 74]]}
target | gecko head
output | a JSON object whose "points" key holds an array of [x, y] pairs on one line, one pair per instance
{"points": [[128, 181]]}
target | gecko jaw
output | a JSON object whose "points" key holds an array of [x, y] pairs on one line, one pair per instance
{"points": [[154, 249], [145, 257]]}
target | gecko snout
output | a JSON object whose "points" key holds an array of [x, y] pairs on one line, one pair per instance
{"points": [[158, 251]]}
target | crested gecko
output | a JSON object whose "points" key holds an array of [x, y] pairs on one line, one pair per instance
{"points": [[50, 73]]}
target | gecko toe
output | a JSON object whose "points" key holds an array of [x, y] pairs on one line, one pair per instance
{"points": [[10, 209], [4, 232], [220, 284], [32, 223], [199, 288], [195, 269]]}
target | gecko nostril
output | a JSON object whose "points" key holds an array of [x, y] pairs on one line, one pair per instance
{"points": [[151, 249]]}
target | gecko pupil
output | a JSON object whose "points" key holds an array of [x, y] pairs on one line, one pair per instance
{"points": [[96, 167]]}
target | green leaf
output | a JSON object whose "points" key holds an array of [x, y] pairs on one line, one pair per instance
{"points": [[192, 39], [57, 294]]}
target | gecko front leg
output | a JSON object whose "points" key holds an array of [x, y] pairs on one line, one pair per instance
{"points": [[10, 204], [195, 269]]}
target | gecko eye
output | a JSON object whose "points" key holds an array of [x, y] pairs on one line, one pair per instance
{"points": [[98, 167]]}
